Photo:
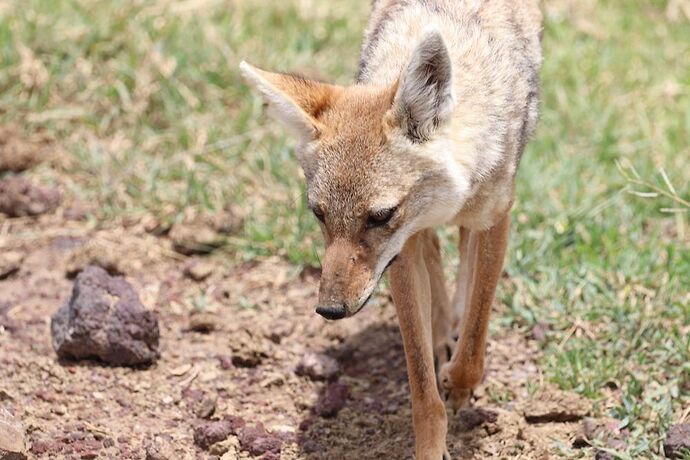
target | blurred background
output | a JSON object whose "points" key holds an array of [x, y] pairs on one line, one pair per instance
{"points": [[134, 113]]}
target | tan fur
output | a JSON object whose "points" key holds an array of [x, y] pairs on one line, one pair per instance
{"points": [[432, 133]]}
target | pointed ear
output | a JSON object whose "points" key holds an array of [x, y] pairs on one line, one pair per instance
{"points": [[424, 99], [296, 101]]}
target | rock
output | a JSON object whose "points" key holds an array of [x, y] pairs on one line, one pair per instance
{"points": [[12, 444], [332, 400], [206, 407], [553, 405], [257, 441], [199, 270], [20, 198], [19, 153], [249, 348], [104, 319], [195, 238], [318, 366], [10, 263], [208, 433], [204, 322], [677, 441]]}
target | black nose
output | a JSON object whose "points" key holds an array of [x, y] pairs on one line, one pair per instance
{"points": [[336, 312]]}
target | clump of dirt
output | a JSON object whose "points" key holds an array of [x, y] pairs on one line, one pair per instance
{"points": [[20, 198], [249, 348], [18, 152], [104, 319], [677, 441], [203, 233], [603, 430], [551, 405], [199, 270], [10, 263]]}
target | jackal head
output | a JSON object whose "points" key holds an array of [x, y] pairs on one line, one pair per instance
{"points": [[377, 164]]}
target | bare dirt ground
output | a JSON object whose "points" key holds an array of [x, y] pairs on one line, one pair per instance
{"points": [[260, 323]]}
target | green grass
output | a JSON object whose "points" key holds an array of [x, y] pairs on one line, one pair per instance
{"points": [[146, 101]]}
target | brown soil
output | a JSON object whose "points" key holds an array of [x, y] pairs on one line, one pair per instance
{"points": [[258, 326], [19, 152]]}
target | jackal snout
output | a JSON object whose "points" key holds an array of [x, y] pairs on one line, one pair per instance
{"points": [[346, 280]]}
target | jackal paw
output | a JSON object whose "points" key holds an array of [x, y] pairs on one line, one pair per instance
{"points": [[455, 396]]}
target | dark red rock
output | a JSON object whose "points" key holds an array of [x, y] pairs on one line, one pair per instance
{"points": [[677, 443], [208, 433], [19, 197], [332, 400], [46, 447], [104, 319], [257, 441]]}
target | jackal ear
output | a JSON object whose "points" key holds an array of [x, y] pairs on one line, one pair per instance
{"points": [[424, 98], [296, 101]]}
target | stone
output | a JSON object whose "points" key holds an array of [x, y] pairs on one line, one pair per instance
{"points": [[19, 197], [211, 432], [318, 366], [104, 319], [257, 441], [332, 400]]}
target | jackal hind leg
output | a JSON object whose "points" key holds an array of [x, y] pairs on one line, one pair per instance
{"points": [[443, 317], [481, 263]]}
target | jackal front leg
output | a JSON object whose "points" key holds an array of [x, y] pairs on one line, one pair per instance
{"points": [[481, 254], [410, 285]]}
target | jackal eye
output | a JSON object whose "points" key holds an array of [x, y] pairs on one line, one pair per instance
{"points": [[379, 218], [318, 212]]}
